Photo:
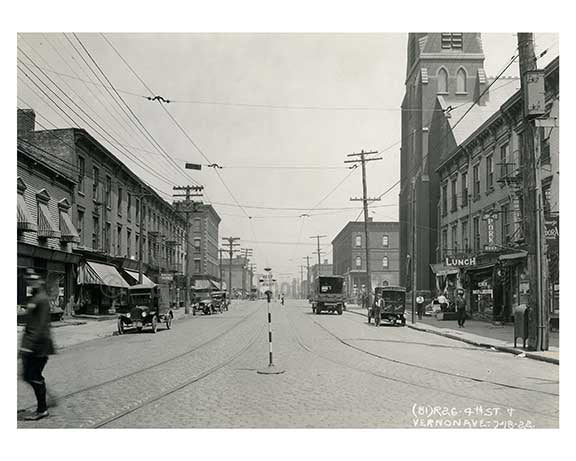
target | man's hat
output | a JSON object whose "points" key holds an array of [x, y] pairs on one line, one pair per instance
{"points": [[460, 291], [31, 275]]}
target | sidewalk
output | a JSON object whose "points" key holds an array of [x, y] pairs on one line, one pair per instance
{"points": [[479, 333], [73, 331]]}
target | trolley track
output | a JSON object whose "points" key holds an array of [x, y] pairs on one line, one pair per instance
{"points": [[210, 371], [66, 396], [388, 377]]}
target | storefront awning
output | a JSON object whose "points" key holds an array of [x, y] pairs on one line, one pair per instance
{"points": [[145, 280], [511, 256], [93, 273], [25, 221], [46, 228], [442, 269], [69, 233]]}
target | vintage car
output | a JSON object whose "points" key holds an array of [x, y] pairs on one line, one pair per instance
{"points": [[148, 306], [219, 300], [394, 306], [328, 295], [204, 304]]}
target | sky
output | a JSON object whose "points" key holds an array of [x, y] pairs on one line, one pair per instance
{"points": [[278, 112]]}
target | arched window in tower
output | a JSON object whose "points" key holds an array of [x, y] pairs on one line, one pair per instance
{"points": [[461, 81], [442, 81]]}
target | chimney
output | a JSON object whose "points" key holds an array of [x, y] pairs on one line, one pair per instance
{"points": [[26, 121]]}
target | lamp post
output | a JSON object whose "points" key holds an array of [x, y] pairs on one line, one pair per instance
{"points": [[271, 369]]}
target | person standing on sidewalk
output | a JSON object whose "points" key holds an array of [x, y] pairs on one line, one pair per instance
{"points": [[37, 343], [420, 306], [461, 308]]}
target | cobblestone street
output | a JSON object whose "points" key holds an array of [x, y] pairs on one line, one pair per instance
{"points": [[339, 372]]}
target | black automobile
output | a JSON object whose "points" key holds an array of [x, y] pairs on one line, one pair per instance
{"points": [[394, 306], [204, 304], [219, 300], [148, 307]]}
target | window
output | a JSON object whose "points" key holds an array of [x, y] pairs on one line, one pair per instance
{"points": [[385, 262], [504, 160], [81, 173], [464, 189], [454, 195], [108, 191], [129, 206], [95, 184], [120, 193], [476, 181], [119, 240], [455, 239], [358, 262], [197, 243], [137, 211], [358, 241], [476, 230], [128, 243], [444, 199], [465, 245], [451, 40], [546, 196], [95, 233], [80, 226], [137, 250], [444, 241], [489, 173], [196, 225], [442, 81], [385, 241], [107, 236], [505, 216], [197, 268], [461, 81], [544, 147]]}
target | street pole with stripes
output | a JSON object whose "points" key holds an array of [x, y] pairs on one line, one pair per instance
{"points": [[271, 369]]}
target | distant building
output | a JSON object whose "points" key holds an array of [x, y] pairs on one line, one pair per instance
{"points": [[242, 275], [325, 269], [349, 255]]}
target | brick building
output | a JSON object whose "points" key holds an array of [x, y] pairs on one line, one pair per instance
{"points": [[107, 205], [481, 211], [349, 255]]}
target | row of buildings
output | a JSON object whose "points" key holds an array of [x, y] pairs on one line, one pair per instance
{"points": [[462, 176], [85, 221]]}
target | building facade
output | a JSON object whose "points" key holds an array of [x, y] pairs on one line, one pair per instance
{"points": [[450, 65], [112, 209], [242, 276], [349, 255], [481, 211], [45, 233]]}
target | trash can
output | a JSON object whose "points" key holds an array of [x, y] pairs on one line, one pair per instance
{"points": [[521, 324]]}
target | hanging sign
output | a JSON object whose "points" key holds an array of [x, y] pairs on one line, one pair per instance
{"points": [[490, 217]]}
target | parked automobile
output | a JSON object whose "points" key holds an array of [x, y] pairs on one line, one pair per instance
{"points": [[204, 304], [219, 300], [148, 306], [394, 306]]}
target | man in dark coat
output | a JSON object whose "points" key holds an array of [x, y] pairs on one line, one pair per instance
{"points": [[37, 343], [461, 308]]}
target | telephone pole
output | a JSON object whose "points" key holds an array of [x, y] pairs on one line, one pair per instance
{"points": [[220, 251], [365, 201], [187, 206], [307, 276], [537, 310], [245, 253], [414, 267], [301, 281], [232, 243]]}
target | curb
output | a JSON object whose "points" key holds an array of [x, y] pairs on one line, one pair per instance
{"points": [[510, 350]]}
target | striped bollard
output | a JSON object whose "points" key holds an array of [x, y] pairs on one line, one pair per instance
{"points": [[271, 369]]}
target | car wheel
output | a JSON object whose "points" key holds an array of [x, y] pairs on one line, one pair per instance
{"points": [[154, 324], [139, 329], [339, 310], [120, 327]]}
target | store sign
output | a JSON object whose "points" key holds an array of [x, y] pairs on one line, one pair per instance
{"points": [[552, 230], [453, 261], [166, 278], [491, 228]]}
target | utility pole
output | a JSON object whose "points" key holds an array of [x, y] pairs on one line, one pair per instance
{"points": [[187, 206], [245, 253], [232, 242], [220, 251], [301, 281], [365, 201], [538, 315], [307, 276], [414, 251]]}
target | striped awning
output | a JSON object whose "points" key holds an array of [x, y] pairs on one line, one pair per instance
{"points": [[46, 228], [25, 221], [145, 280], [67, 228], [93, 273]]}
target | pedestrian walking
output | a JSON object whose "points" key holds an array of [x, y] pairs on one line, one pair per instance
{"points": [[37, 343], [420, 306], [461, 308], [282, 299]]}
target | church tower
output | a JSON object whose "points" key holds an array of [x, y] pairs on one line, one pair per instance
{"points": [[448, 65]]}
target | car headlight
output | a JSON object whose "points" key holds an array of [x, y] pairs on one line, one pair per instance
{"points": [[128, 315], [143, 314]]}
